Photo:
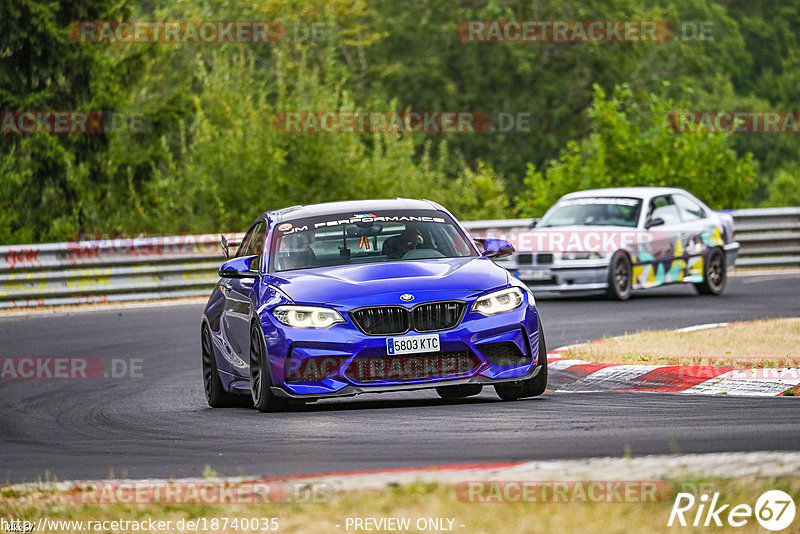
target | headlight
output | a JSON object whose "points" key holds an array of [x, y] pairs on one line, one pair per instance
{"points": [[581, 256], [499, 301], [307, 316]]}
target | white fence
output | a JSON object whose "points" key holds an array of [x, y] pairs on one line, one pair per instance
{"points": [[119, 270]]}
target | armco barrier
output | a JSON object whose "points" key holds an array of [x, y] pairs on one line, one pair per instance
{"points": [[117, 270], [111, 270], [769, 237]]}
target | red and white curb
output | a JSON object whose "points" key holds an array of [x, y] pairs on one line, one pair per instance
{"points": [[583, 376]]}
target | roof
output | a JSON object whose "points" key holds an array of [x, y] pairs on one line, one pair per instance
{"points": [[638, 192], [347, 206]]}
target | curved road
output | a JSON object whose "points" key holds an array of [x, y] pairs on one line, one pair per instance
{"points": [[160, 426]]}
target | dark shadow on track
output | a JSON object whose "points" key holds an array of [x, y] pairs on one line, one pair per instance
{"points": [[397, 405]]}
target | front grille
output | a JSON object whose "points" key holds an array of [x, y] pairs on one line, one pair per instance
{"points": [[524, 259], [504, 354], [437, 316], [391, 320], [381, 320], [543, 259]]}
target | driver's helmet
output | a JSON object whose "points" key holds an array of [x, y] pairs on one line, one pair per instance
{"points": [[411, 239], [294, 253]]}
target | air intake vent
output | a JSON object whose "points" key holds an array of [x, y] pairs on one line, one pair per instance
{"points": [[504, 354]]}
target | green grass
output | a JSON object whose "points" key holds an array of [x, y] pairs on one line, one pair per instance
{"points": [[424, 500]]}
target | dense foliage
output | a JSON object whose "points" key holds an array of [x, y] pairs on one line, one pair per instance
{"points": [[198, 150]]}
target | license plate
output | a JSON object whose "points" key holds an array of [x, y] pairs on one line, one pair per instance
{"points": [[535, 274], [412, 344]]}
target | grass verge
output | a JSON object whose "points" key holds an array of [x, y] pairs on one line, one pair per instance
{"points": [[760, 344], [421, 501]]}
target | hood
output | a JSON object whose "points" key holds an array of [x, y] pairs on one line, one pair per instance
{"points": [[329, 284]]}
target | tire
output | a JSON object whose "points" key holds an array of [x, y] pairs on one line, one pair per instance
{"points": [[532, 387], [456, 392], [216, 395], [619, 277], [715, 273], [260, 378]]}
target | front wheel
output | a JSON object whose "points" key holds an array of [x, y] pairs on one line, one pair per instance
{"points": [[715, 274], [532, 387], [619, 277], [260, 382], [216, 396]]}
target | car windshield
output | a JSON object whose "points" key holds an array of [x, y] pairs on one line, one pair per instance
{"points": [[594, 211], [347, 238]]}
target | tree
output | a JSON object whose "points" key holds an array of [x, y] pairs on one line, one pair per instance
{"points": [[632, 144], [50, 184]]}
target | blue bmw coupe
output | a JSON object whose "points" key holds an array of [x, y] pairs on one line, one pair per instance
{"points": [[367, 296]]}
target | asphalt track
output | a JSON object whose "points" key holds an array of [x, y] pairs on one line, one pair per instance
{"points": [[160, 426]]}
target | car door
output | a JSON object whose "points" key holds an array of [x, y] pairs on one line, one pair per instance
{"points": [[697, 229], [239, 294], [664, 263]]}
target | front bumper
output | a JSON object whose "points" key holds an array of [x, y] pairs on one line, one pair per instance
{"points": [[474, 336], [731, 254], [586, 278], [352, 390]]}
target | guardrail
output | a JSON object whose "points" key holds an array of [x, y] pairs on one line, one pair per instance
{"points": [[118, 270], [110, 270], [769, 237]]}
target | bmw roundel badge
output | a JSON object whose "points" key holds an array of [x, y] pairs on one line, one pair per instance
{"points": [[406, 297]]}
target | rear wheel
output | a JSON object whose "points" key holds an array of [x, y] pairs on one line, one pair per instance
{"points": [[216, 395], [455, 392], [715, 274], [260, 379], [619, 277], [533, 387]]}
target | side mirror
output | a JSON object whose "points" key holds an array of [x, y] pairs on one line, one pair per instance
{"points": [[239, 268], [658, 221], [494, 248], [225, 248], [533, 223]]}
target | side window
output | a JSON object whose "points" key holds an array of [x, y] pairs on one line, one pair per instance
{"points": [[245, 242], [690, 210], [256, 244], [253, 242], [662, 207]]}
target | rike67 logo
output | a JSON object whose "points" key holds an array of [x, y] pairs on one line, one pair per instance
{"points": [[774, 511]]}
